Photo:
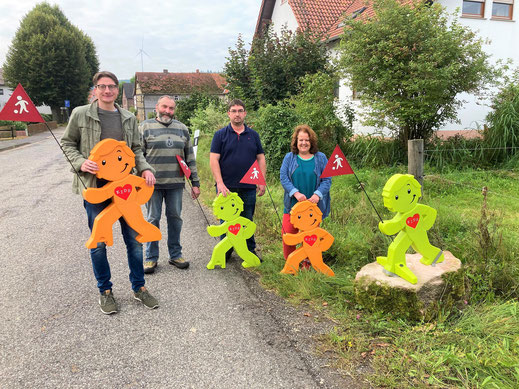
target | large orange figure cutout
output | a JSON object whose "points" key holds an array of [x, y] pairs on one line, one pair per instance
{"points": [[306, 217], [127, 191]]}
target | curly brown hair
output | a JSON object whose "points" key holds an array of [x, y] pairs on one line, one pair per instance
{"points": [[311, 134]]}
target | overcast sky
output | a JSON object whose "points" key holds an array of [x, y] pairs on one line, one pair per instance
{"points": [[179, 35]]}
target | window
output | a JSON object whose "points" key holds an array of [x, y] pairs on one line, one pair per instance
{"points": [[503, 9], [473, 8], [1, 91]]}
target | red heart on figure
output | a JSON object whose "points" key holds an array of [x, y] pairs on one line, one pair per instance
{"points": [[413, 221], [123, 192], [310, 239], [234, 229]]}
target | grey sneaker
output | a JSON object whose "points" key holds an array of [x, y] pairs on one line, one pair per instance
{"points": [[107, 302], [181, 263], [149, 267], [146, 298]]}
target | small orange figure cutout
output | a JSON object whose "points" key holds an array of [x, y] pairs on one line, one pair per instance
{"points": [[128, 192], [306, 217]]}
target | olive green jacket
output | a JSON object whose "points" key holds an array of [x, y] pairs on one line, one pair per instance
{"points": [[83, 132]]}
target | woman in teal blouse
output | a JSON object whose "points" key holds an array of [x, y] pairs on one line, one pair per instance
{"points": [[300, 176]]}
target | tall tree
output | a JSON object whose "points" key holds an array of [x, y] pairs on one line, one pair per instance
{"points": [[410, 62], [238, 74], [51, 58], [271, 70]]}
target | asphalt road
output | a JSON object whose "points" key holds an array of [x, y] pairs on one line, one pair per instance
{"points": [[214, 329]]}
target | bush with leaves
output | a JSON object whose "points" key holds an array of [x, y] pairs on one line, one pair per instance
{"points": [[317, 106], [271, 70], [209, 119], [18, 126], [275, 124], [502, 131], [186, 107]]}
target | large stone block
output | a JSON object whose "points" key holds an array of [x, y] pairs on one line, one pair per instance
{"points": [[439, 286]]}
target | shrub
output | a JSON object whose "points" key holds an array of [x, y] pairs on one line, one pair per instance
{"points": [[502, 132], [186, 107], [209, 119], [318, 107], [47, 117], [18, 126], [275, 125]]}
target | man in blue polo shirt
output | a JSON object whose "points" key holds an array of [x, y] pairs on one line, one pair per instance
{"points": [[233, 151]]}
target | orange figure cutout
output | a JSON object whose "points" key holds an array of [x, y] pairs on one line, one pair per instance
{"points": [[306, 217], [128, 192]]}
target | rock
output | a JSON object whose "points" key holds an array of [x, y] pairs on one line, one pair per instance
{"points": [[439, 286]]}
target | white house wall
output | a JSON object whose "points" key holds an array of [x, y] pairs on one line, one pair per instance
{"points": [[502, 35], [282, 15]]}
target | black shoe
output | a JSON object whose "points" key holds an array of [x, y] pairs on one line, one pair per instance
{"points": [[181, 263]]}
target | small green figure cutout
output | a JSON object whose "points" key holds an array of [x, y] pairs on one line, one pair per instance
{"points": [[236, 228], [401, 194]]}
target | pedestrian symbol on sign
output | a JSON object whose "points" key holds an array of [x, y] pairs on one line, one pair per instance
{"points": [[23, 105]]}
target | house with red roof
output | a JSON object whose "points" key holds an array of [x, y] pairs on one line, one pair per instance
{"points": [[150, 86], [489, 18]]}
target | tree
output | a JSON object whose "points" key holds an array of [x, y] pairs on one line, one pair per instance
{"points": [[51, 58], [238, 74], [197, 100], [271, 71], [317, 106], [409, 63]]}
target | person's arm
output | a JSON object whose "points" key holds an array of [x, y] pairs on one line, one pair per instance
{"points": [[70, 144], [263, 167], [143, 167], [286, 181], [214, 163]]}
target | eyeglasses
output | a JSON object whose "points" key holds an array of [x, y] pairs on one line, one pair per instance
{"points": [[112, 87], [237, 111]]}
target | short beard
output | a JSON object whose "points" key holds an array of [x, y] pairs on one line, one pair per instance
{"points": [[163, 118]]}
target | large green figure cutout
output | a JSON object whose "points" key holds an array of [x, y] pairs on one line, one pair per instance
{"points": [[236, 228], [401, 194]]}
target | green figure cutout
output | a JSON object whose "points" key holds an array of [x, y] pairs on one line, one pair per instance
{"points": [[401, 194], [236, 228]]}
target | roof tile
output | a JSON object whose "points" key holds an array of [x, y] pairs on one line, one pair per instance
{"points": [[180, 83]]}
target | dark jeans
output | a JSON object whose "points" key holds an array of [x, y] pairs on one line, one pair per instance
{"points": [[248, 197], [173, 200], [100, 260]]}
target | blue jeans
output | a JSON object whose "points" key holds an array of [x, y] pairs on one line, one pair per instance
{"points": [[173, 200], [248, 197], [100, 260]]}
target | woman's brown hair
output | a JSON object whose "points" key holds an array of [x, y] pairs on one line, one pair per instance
{"points": [[311, 135]]}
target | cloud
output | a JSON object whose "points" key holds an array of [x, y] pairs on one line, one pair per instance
{"points": [[179, 36]]}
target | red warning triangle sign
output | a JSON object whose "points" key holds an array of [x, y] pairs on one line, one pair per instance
{"points": [[253, 175], [183, 165], [337, 164], [20, 108]]}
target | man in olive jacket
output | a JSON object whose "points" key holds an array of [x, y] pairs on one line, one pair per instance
{"points": [[88, 125]]}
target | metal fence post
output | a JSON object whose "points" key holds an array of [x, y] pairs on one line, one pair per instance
{"points": [[415, 158]]}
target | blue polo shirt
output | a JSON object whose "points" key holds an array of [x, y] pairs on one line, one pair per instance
{"points": [[237, 154]]}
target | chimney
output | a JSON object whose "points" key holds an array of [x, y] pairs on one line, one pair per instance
{"points": [[165, 71]]}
